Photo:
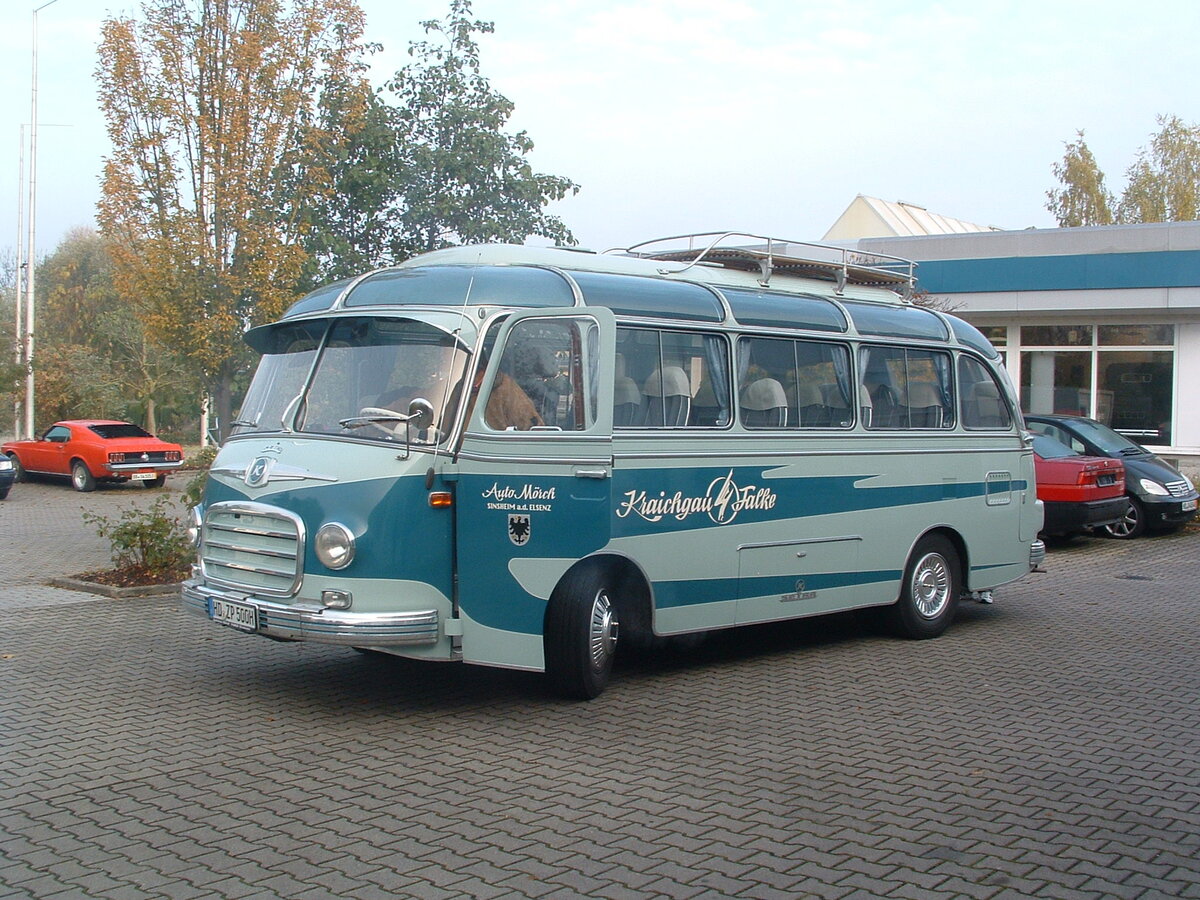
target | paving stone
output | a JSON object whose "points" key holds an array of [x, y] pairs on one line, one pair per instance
{"points": [[1044, 746]]}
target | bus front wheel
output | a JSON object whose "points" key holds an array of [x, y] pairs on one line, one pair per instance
{"points": [[930, 590], [581, 634]]}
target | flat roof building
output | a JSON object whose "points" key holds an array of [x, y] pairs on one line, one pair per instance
{"points": [[1098, 321]]}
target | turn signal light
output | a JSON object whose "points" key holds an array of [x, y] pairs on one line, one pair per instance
{"points": [[441, 499]]}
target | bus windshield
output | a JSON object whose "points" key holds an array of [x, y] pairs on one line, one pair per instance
{"points": [[355, 376]]}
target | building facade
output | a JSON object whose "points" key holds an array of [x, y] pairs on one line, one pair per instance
{"points": [[1101, 321]]}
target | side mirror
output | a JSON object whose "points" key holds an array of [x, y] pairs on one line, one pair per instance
{"points": [[420, 413]]}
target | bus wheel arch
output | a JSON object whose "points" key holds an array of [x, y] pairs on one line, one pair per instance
{"points": [[933, 579], [596, 604]]}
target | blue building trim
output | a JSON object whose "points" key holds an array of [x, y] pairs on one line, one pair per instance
{"points": [[1099, 271]]}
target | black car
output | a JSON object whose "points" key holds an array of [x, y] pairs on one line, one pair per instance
{"points": [[1160, 498], [8, 475]]}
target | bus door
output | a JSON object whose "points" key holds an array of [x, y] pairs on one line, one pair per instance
{"points": [[534, 476]]}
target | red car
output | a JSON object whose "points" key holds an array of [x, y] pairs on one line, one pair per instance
{"points": [[91, 450], [1078, 492]]}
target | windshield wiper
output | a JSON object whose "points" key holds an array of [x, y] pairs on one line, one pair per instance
{"points": [[242, 423], [1132, 451], [360, 421]]}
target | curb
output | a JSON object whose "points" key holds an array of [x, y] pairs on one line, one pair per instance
{"points": [[119, 593]]}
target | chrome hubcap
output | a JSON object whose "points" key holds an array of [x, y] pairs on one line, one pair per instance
{"points": [[931, 585], [602, 636]]}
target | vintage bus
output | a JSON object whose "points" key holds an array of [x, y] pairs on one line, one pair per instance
{"points": [[519, 457]]}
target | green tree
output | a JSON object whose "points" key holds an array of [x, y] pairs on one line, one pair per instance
{"points": [[1164, 181], [1083, 199], [463, 179], [94, 357], [203, 99], [353, 155]]}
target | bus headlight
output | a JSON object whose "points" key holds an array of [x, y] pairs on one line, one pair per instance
{"points": [[195, 523], [334, 545]]}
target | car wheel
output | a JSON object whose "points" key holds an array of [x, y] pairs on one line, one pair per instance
{"points": [[581, 634], [4, 492], [81, 478], [1133, 525], [930, 590], [18, 471], [157, 481]]}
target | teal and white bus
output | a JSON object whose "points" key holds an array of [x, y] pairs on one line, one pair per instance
{"points": [[520, 457]]}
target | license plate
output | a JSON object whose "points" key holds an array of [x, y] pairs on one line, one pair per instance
{"points": [[241, 616], [1188, 505], [143, 476]]}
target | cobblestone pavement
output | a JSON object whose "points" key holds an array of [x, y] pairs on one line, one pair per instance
{"points": [[1048, 745]]}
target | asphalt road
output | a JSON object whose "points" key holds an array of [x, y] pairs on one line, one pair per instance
{"points": [[1048, 745]]}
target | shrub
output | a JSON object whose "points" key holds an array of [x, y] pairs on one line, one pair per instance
{"points": [[198, 463], [153, 540]]}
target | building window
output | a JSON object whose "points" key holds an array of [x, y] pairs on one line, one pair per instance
{"points": [[1120, 375]]}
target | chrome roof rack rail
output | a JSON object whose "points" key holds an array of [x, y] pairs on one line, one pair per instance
{"points": [[767, 255]]}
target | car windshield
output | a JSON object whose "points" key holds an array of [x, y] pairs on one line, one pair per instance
{"points": [[120, 430], [1048, 448], [1109, 442], [354, 376]]}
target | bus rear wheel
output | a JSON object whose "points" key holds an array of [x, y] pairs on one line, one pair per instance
{"points": [[930, 590], [581, 634]]}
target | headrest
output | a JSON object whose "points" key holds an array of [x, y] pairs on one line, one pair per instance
{"points": [[766, 393], [982, 390], [625, 390], [808, 394], [922, 394], [674, 383]]}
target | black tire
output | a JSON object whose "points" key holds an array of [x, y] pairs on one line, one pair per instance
{"points": [[1130, 527], [930, 590], [17, 468], [156, 481], [4, 492], [581, 634], [81, 477]]}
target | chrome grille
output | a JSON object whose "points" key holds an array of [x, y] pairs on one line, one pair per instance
{"points": [[254, 547], [1178, 488]]}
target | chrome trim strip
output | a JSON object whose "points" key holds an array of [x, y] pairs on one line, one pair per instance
{"points": [[321, 625], [242, 548], [840, 452], [535, 460], [796, 543]]}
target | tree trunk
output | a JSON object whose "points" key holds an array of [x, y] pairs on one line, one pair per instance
{"points": [[151, 420], [223, 404]]}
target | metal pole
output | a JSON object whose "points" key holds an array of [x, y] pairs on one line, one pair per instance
{"points": [[18, 288], [31, 244]]}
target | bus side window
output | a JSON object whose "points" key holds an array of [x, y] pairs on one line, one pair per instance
{"points": [[983, 403], [670, 379], [906, 388], [793, 383]]}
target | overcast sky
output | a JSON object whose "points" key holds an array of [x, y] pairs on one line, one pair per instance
{"points": [[766, 116]]}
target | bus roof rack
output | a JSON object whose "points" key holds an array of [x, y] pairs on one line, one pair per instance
{"points": [[767, 255]]}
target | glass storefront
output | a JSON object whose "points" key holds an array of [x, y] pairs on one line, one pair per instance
{"points": [[1120, 375]]}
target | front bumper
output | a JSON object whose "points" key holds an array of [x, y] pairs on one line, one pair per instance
{"points": [[1168, 512], [318, 624]]}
